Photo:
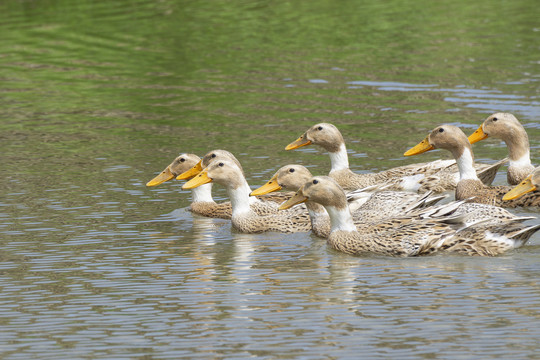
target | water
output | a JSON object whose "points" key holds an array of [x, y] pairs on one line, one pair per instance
{"points": [[98, 97]]}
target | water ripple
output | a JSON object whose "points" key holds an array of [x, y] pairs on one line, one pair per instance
{"points": [[486, 100]]}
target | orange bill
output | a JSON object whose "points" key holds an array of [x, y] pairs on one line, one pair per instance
{"points": [[191, 172], [477, 135], [422, 147], [297, 198], [301, 141], [165, 175], [197, 181], [524, 187], [271, 186]]}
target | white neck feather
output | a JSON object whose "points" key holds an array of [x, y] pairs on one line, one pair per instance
{"points": [[340, 219], [202, 193], [253, 199], [523, 162], [240, 199], [339, 160], [316, 216], [465, 164]]}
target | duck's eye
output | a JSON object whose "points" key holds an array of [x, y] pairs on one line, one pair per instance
{"points": [[291, 170], [315, 181], [441, 130], [213, 155], [319, 128], [221, 164], [495, 119]]}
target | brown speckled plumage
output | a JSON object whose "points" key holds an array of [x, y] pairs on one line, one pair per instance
{"points": [[378, 206], [489, 240], [493, 195], [212, 209], [436, 176], [368, 207], [488, 214], [202, 203], [223, 210], [410, 236], [285, 222], [245, 215], [453, 139]]}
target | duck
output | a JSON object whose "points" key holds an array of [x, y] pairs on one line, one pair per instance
{"points": [[205, 161], [187, 165], [365, 205], [202, 202], [220, 154], [506, 127], [437, 176], [408, 236], [292, 177], [373, 208], [244, 218], [452, 138], [530, 183]]}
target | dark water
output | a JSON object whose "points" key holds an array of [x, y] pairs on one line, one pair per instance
{"points": [[97, 97]]}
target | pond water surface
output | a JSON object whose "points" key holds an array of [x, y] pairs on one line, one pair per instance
{"points": [[97, 97]]}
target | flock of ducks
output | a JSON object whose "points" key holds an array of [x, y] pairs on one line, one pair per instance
{"points": [[393, 212]]}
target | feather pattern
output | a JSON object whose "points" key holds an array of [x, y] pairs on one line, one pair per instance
{"points": [[437, 176], [451, 138], [202, 201], [411, 235], [245, 212]]}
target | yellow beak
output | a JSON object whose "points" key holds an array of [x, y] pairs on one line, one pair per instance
{"points": [[297, 198], [301, 141], [191, 172], [477, 135], [422, 147], [165, 175], [198, 180], [271, 186], [524, 187]]}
